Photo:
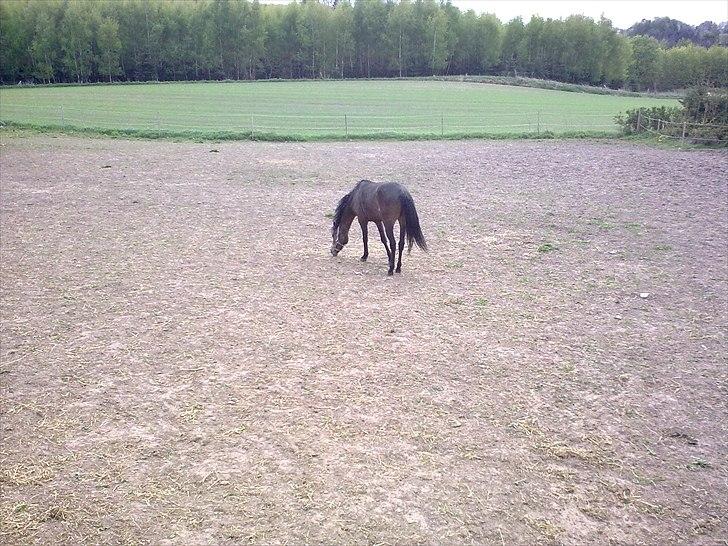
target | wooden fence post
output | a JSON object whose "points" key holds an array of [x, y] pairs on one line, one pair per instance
{"points": [[442, 125], [685, 126], [62, 120], [252, 125], [538, 123], [346, 126], [639, 120]]}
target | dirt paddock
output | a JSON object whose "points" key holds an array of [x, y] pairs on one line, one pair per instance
{"points": [[183, 361]]}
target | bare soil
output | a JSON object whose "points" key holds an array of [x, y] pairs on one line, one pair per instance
{"points": [[184, 363]]}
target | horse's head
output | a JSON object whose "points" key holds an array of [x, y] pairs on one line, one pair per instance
{"points": [[339, 238]]}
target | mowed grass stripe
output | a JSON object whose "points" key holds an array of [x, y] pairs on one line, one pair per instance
{"points": [[303, 108]]}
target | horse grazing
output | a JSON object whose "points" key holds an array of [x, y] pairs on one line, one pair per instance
{"points": [[384, 204]]}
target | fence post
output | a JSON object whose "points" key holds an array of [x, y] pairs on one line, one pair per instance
{"points": [[62, 120], [538, 123], [442, 125], [685, 126], [252, 125], [159, 122], [346, 126], [639, 120], [659, 125]]}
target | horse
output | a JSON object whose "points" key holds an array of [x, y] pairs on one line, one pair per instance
{"points": [[384, 204]]}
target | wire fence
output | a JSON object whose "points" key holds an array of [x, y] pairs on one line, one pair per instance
{"points": [[702, 133], [339, 125]]}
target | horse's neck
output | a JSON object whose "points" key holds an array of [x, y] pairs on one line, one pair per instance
{"points": [[348, 218]]}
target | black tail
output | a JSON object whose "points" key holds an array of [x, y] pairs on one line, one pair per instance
{"points": [[412, 222]]}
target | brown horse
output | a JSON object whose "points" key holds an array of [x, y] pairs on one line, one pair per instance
{"points": [[384, 204]]}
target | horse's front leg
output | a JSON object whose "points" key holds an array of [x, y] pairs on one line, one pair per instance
{"points": [[383, 237], [365, 237]]}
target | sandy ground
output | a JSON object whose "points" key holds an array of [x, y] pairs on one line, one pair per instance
{"points": [[184, 363]]}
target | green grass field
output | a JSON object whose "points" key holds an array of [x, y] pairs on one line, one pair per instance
{"points": [[318, 109]]}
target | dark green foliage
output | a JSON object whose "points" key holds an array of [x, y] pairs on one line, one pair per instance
{"points": [[709, 106], [648, 118], [672, 32], [664, 29], [56, 41]]}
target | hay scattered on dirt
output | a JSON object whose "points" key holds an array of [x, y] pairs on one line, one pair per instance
{"points": [[182, 361]]}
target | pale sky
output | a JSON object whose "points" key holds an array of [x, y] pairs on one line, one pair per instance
{"points": [[623, 13]]}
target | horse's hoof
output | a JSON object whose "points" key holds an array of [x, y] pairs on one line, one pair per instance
{"points": [[398, 270], [363, 259], [390, 273]]}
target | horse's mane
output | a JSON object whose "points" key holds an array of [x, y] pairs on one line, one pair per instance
{"points": [[343, 205], [339, 213]]}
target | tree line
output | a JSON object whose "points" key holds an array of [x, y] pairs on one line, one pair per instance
{"points": [[53, 41], [672, 32]]}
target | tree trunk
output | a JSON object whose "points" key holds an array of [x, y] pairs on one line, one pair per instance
{"points": [[434, 43], [400, 51]]}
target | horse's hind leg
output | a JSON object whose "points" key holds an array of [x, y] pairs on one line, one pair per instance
{"points": [[389, 228], [383, 237], [365, 237], [402, 231]]}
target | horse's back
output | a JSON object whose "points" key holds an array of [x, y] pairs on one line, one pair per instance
{"points": [[379, 201], [389, 198], [390, 191]]}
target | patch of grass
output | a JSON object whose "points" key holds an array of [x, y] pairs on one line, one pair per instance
{"points": [[318, 110], [634, 227], [600, 223], [663, 248], [547, 247], [481, 302], [329, 215], [200, 136], [699, 464]]}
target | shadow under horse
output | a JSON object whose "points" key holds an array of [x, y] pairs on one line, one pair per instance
{"points": [[384, 204]]}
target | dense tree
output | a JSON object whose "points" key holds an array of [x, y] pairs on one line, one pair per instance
{"points": [[344, 48], [109, 46], [663, 29], [645, 64], [43, 50], [513, 36], [81, 41], [75, 39]]}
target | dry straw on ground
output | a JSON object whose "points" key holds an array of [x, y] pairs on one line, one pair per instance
{"points": [[182, 362]]}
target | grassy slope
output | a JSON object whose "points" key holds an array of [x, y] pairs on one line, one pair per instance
{"points": [[307, 109]]}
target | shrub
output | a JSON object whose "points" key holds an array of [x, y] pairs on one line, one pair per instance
{"points": [[708, 106], [648, 119], [703, 118]]}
